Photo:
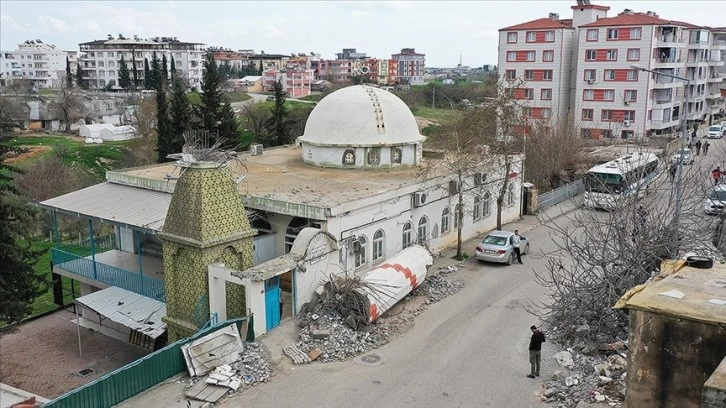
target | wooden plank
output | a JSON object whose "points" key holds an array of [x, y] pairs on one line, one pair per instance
{"points": [[206, 392]]}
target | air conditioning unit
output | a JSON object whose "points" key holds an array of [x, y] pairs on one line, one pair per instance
{"points": [[590, 81], [626, 103], [626, 123], [480, 179], [256, 149], [419, 198], [454, 187]]}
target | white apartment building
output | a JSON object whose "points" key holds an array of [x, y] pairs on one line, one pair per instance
{"points": [[42, 64], [100, 59], [411, 66], [607, 97]]}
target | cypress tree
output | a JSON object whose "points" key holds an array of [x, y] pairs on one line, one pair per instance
{"points": [[173, 68], [155, 72], [259, 72], [163, 123], [164, 69], [124, 79], [181, 117], [147, 74], [79, 77], [228, 125], [69, 75], [136, 74], [279, 123], [212, 96]]}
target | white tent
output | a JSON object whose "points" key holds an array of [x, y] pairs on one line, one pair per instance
{"points": [[118, 133], [93, 131]]}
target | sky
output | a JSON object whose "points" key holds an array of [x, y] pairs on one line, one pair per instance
{"points": [[444, 31]]}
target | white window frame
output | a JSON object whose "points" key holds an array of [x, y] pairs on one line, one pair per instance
{"points": [[510, 74], [590, 55], [361, 258], [510, 194], [406, 240], [606, 115], [531, 36], [551, 54], [511, 36], [588, 117], [588, 95], [633, 74], [633, 54], [445, 220], [592, 76], [608, 95], [379, 239], [547, 75], [546, 94], [608, 75], [590, 36], [613, 33], [476, 208], [531, 56], [511, 56], [423, 229], [611, 55], [549, 36], [636, 33], [529, 93], [631, 95], [487, 205]]}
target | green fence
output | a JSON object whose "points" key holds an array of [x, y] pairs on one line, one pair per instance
{"points": [[135, 377]]}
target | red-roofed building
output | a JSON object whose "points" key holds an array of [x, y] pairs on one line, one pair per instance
{"points": [[580, 70]]}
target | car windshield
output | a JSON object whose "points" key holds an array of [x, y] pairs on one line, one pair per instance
{"points": [[714, 129], [683, 151], [717, 195], [604, 183], [495, 240]]}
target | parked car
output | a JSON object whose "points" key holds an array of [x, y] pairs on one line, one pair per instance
{"points": [[497, 247], [687, 156], [715, 132], [270, 98], [715, 202]]}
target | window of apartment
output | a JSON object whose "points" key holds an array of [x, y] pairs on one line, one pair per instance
{"points": [[590, 55], [612, 34], [549, 36], [631, 95], [635, 33], [361, 258], [511, 56], [588, 95], [611, 55], [632, 75], [445, 220], [633, 54], [529, 93], [629, 115], [590, 75], [476, 214], [406, 240], [587, 114], [606, 115], [609, 75], [546, 94], [531, 36], [486, 205], [510, 74], [511, 38], [548, 55], [378, 245], [592, 34], [528, 74], [92, 54], [510, 195], [607, 133], [423, 229], [547, 75], [546, 113], [531, 55], [608, 95], [586, 133]]}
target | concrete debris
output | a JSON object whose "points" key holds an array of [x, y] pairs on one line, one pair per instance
{"points": [[326, 324], [564, 358]]}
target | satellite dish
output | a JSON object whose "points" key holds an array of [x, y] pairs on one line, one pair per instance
{"points": [[364, 70]]}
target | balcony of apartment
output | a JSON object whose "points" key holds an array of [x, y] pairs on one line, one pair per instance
{"points": [[664, 82], [667, 40], [718, 45], [668, 62], [695, 61], [663, 123]]}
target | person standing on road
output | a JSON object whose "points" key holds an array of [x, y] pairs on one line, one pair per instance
{"points": [[672, 172], [705, 147], [716, 174], [698, 148], [516, 241], [535, 351]]}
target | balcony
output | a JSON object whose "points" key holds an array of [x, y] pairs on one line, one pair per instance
{"points": [[114, 268], [667, 40], [663, 124], [719, 45]]}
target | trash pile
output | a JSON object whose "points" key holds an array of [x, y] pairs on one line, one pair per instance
{"points": [[219, 364], [589, 379], [330, 327]]}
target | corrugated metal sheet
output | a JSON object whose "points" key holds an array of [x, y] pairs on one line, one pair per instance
{"points": [[130, 309], [117, 203]]}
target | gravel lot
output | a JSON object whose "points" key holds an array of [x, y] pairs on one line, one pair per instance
{"points": [[41, 356]]}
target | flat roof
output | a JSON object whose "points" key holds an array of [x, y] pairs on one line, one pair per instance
{"points": [[691, 293], [130, 309]]}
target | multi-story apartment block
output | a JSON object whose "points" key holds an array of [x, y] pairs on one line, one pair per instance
{"points": [[100, 59], [226, 56], [351, 54], [411, 66], [42, 64], [588, 70], [267, 61], [297, 82], [334, 70]]}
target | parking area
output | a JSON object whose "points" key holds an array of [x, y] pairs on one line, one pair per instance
{"points": [[42, 356]]}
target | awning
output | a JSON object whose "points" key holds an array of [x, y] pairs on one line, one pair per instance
{"points": [[130, 309]]}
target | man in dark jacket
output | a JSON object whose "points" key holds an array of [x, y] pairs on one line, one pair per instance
{"points": [[535, 351]]}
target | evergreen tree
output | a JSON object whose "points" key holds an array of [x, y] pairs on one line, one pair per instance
{"points": [[147, 74], [133, 66], [69, 75], [124, 79], [278, 125], [163, 122], [156, 73], [19, 284], [79, 77], [259, 72], [164, 69], [181, 117], [228, 125], [212, 97], [173, 68]]}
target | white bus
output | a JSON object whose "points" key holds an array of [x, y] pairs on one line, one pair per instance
{"points": [[627, 176]]}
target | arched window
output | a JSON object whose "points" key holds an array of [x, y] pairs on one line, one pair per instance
{"points": [[477, 208], [487, 204], [457, 213], [406, 238], [294, 227], [378, 241], [423, 229], [361, 258], [435, 231], [510, 195], [445, 220]]}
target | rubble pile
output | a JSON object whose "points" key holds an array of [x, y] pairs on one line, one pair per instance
{"points": [[329, 323], [588, 379]]}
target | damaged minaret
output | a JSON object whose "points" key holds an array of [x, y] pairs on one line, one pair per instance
{"points": [[206, 223]]}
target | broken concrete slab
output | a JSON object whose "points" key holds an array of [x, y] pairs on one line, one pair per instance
{"points": [[206, 392], [321, 334], [213, 350], [298, 356]]}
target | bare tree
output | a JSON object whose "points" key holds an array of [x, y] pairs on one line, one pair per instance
{"points": [[143, 116], [69, 105], [254, 116], [49, 177], [554, 148]]}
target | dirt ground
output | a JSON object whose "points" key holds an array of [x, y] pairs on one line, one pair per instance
{"points": [[41, 356], [32, 152]]}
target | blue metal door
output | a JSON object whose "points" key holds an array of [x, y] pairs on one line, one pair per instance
{"points": [[272, 302]]}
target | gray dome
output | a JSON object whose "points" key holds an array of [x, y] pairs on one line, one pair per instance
{"points": [[361, 116]]}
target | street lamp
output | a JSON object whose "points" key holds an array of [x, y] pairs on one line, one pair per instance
{"points": [[684, 137]]}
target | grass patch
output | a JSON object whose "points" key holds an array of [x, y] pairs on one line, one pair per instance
{"points": [[237, 96], [437, 115], [194, 98], [314, 97]]}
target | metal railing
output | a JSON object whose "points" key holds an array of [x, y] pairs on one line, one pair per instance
{"points": [[108, 274], [560, 194]]}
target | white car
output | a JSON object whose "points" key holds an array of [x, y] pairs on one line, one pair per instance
{"points": [[687, 156], [497, 247], [715, 132], [715, 203]]}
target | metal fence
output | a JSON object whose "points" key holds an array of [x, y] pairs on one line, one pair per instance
{"points": [[560, 194], [108, 274], [134, 378]]}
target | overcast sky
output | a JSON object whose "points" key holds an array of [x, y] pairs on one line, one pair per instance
{"points": [[443, 31]]}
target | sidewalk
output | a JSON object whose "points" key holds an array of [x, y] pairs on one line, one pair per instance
{"points": [[286, 333]]}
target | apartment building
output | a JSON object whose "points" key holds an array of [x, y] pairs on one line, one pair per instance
{"points": [[296, 81], [588, 62], [100, 59], [227, 56], [411, 66], [42, 64]]}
